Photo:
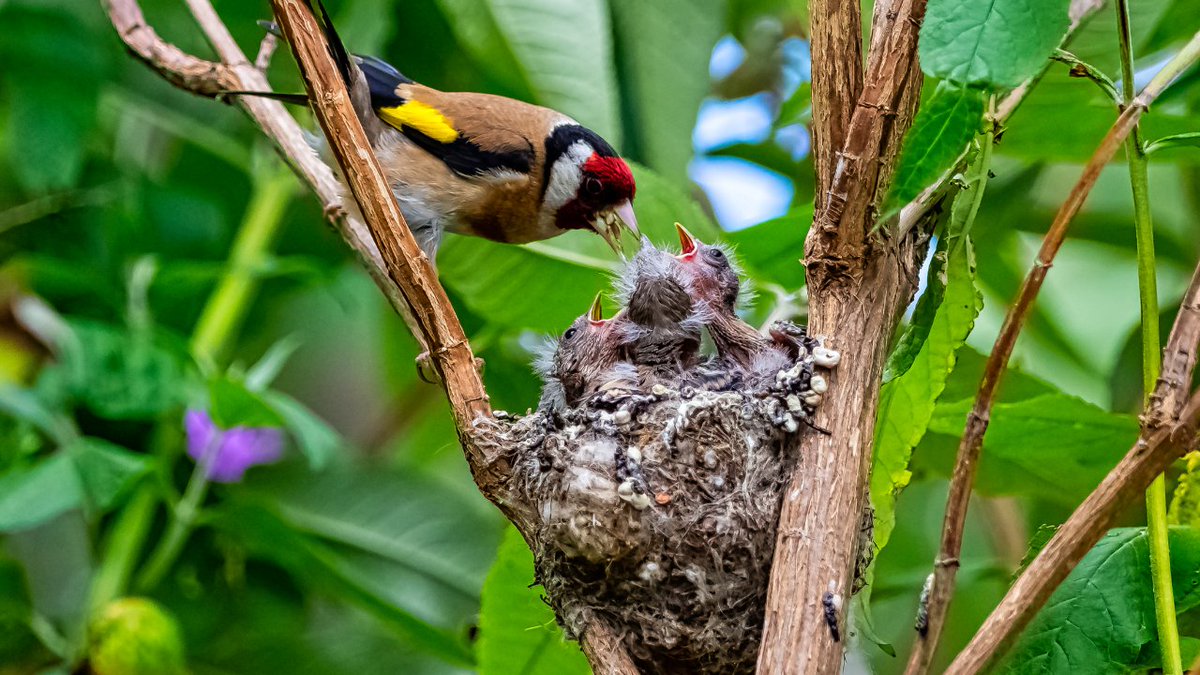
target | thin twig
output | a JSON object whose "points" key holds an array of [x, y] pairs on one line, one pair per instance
{"points": [[205, 78], [266, 49], [946, 563], [917, 209]]}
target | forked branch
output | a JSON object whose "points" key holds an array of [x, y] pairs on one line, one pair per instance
{"points": [[946, 564]]}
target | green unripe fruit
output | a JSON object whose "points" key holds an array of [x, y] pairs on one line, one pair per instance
{"points": [[134, 636]]}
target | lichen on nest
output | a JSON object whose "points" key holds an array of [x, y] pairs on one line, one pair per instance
{"points": [[655, 510]]}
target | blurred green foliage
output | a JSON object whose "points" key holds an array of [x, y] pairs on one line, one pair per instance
{"points": [[368, 549]]}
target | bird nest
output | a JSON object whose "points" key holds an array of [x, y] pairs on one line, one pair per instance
{"points": [[655, 511]]}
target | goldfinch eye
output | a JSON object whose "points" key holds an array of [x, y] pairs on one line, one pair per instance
{"points": [[714, 254], [570, 333], [592, 186]]}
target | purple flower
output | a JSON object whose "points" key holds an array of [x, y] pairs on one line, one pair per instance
{"points": [[228, 453]]}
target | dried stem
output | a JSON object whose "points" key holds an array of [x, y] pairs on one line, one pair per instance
{"points": [[1169, 430], [858, 285], [209, 79], [947, 561]]}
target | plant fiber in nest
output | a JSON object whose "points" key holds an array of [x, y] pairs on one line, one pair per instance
{"points": [[656, 512]]}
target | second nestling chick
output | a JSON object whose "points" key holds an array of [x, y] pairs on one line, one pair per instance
{"points": [[714, 281], [660, 326], [585, 359]]}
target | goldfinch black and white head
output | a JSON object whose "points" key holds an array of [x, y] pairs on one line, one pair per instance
{"points": [[483, 165]]}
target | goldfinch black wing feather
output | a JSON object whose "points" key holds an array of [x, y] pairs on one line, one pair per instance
{"points": [[431, 130]]}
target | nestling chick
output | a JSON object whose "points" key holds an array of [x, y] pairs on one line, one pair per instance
{"points": [[482, 165], [714, 281], [660, 326], [582, 361]]}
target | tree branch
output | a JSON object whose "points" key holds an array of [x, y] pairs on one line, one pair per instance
{"points": [[205, 78], [406, 266], [957, 503], [917, 209], [384, 241], [858, 285], [837, 78]]}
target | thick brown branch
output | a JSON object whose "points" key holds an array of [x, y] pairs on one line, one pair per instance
{"points": [[857, 290], [605, 651], [407, 267], [880, 117], [971, 443], [837, 74]]}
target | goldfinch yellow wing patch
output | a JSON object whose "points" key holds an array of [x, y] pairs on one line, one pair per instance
{"points": [[422, 118]]}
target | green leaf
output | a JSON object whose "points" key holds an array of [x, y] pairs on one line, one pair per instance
{"points": [[771, 251], [25, 405], [941, 131], [122, 376], [1063, 119], [517, 630], [561, 52], [664, 50], [995, 43], [30, 497], [546, 285], [907, 402], [797, 109], [1055, 446], [1101, 619], [1190, 139], [434, 547], [1185, 503], [316, 439], [107, 471], [231, 405], [322, 567]]}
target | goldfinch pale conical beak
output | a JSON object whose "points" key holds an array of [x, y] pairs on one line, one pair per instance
{"points": [[687, 243], [596, 311], [624, 211], [606, 226]]}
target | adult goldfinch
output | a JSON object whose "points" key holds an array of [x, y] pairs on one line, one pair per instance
{"points": [[483, 165]]}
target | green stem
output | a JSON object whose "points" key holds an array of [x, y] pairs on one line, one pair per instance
{"points": [[184, 517], [227, 305], [1156, 494], [124, 544], [221, 315]]}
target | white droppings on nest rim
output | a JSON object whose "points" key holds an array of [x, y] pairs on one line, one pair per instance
{"points": [[818, 384], [826, 358]]}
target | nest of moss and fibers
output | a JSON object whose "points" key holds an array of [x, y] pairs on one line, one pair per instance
{"points": [[656, 511]]}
